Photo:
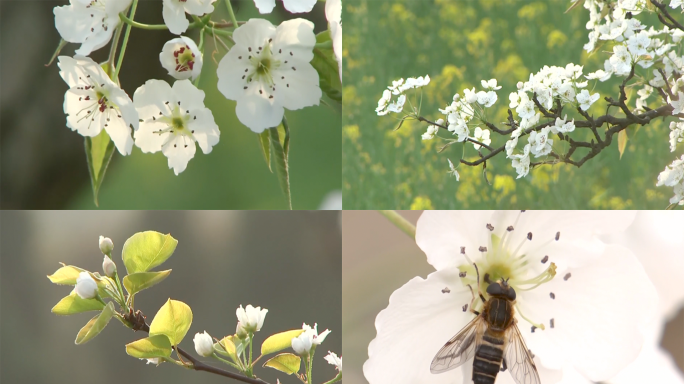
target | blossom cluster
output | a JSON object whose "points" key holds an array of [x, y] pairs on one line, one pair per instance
{"points": [[266, 70], [399, 88]]}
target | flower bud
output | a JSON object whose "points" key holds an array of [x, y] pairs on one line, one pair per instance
{"points": [[86, 287], [108, 266], [251, 318], [106, 245], [240, 331], [204, 344]]}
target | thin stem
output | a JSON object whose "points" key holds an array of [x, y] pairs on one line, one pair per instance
{"points": [[125, 42], [149, 27], [335, 379], [231, 13], [249, 365], [401, 223], [112, 52], [227, 362]]}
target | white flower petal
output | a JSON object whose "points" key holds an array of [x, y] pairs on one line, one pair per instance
{"points": [[199, 7], [120, 133], [253, 33], [265, 6], [206, 131], [190, 97], [333, 10], [258, 113], [299, 88], [299, 6], [179, 150], [296, 38], [174, 17]]}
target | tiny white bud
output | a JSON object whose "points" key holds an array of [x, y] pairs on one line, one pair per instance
{"points": [[106, 245], [204, 344], [240, 331], [519, 85], [86, 287], [108, 266]]}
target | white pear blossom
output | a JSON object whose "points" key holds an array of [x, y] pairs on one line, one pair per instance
{"points": [[490, 84], [106, 245], [432, 130], [677, 3], [621, 60], [89, 22], [482, 135], [332, 359], [172, 120], [333, 12], [293, 6], [383, 102], [657, 80], [673, 176], [397, 106], [174, 13], [154, 360], [182, 58], [470, 96], [563, 126], [638, 43], [586, 100], [204, 345], [453, 171], [93, 102], [86, 287], [108, 266], [678, 104], [268, 70], [540, 143], [676, 133], [487, 99], [251, 318], [565, 278], [521, 162], [526, 106], [308, 340]]}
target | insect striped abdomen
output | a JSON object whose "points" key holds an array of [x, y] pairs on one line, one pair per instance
{"points": [[488, 358]]}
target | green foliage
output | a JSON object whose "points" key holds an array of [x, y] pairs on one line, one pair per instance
{"points": [[150, 347], [325, 64], [279, 341], [99, 151], [136, 282], [285, 362], [66, 275], [173, 320], [265, 143], [459, 43], [96, 324], [146, 250], [74, 304], [279, 153]]}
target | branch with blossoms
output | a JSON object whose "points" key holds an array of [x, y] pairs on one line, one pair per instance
{"points": [[146, 250], [266, 70], [542, 103]]}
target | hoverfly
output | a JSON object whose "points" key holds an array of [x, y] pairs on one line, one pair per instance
{"points": [[492, 338]]}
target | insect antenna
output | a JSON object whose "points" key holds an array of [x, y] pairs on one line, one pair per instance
{"points": [[479, 292]]}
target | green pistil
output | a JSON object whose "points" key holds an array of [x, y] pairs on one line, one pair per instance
{"points": [[264, 65]]}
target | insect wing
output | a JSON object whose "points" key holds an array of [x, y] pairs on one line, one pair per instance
{"points": [[460, 348], [518, 358]]}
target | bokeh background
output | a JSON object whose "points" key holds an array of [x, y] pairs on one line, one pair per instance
{"points": [[43, 162], [287, 262], [377, 259], [459, 43]]}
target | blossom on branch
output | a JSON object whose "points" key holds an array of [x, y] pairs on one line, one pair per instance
{"points": [[174, 13], [182, 58]]}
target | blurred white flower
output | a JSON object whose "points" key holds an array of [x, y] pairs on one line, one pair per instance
{"points": [[108, 266], [86, 287], [309, 339], [251, 318], [332, 359], [453, 170], [567, 282], [293, 6], [332, 201], [174, 13], [106, 245], [333, 12], [204, 345]]}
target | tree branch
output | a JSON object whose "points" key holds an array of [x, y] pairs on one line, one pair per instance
{"points": [[663, 9]]}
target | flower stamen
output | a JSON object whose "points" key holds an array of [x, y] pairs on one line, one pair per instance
{"points": [[534, 325]]}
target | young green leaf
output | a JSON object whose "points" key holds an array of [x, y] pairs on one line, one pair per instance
{"points": [[146, 250], [622, 142], [285, 362], [328, 71], [150, 347], [173, 320], [95, 325], [99, 151], [279, 341], [66, 275], [281, 164], [74, 304], [136, 282], [265, 144], [226, 347]]}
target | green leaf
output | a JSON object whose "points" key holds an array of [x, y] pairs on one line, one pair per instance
{"points": [[66, 275], [95, 325], [285, 362], [173, 320], [74, 304], [226, 346], [99, 151], [61, 45], [279, 341], [136, 282], [281, 164], [264, 143], [328, 71], [146, 250], [150, 347], [622, 142]]}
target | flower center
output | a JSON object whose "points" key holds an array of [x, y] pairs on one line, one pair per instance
{"points": [[264, 65], [185, 59]]}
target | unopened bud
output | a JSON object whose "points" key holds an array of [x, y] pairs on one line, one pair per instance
{"points": [[106, 245], [203, 344], [240, 331], [86, 287], [108, 266]]}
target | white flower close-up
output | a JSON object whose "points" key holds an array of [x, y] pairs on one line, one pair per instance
{"points": [[106, 245], [309, 339], [586, 100], [268, 69], [93, 103], [293, 6], [86, 287], [174, 13], [108, 266], [333, 359], [182, 58], [251, 318], [453, 171], [90, 23], [173, 120], [481, 135], [567, 279], [204, 345]]}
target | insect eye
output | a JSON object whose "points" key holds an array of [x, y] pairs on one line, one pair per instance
{"points": [[495, 289], [511, 293]]}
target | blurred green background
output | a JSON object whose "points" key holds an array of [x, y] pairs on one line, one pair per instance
{"points": [[459, 43], [43, 162], [378, 259], [286, 262]]}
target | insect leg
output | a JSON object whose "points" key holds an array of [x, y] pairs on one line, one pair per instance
{"points": [[472, 301], [503, 365], [479, 292]]}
